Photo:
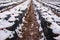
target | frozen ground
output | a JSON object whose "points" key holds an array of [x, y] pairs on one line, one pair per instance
{"points": [[45, 17], [49, 16], [9, 19]]}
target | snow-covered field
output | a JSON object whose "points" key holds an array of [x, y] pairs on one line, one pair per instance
{"points": [[9, 2], [12, 18], [4, 1], [45, 17], [52, 4]]}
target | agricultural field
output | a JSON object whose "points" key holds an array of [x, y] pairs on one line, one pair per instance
{"points": [[29, 20]]}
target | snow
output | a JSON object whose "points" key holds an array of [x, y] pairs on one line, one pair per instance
{"points": [[57, 38], [23, 20], [21, 25], [37, 17], [4, 1], [5, 34], [18, 30], [11, 19], [43, 38], [24, 5], [2, 15], [10, 12], [40, 29], [57, 19], [52, 6], [48, 15], [55, 28], [13, 13], [4, 24], [8, 4], [45, 12], [19, 33]]}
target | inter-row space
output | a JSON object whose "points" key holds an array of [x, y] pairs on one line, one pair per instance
{"points": [[48, 21], [8, 6]]}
